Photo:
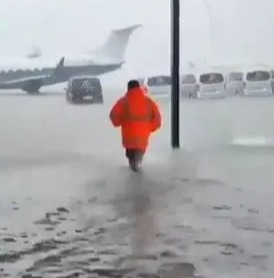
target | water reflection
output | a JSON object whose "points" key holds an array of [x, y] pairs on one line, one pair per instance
{"points": [[136, 204]]}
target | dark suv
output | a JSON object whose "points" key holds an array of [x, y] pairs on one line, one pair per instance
{"points": [[84, 89]]}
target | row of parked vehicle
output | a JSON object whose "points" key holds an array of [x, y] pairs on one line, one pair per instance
{"points": [[215, 84]]}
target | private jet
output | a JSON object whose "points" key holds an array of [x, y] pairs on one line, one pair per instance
{"points": [[32, 72]]}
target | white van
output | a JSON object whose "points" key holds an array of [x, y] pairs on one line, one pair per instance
{"points": [[211, 85], [257, 83], [84, 89], [234, 83], [189, 86], [159, 85]]}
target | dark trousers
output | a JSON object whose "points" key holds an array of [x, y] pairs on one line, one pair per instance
{"points": [[133, 154]]}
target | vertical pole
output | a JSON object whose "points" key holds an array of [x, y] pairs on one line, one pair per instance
{"points": [[175, 73]]}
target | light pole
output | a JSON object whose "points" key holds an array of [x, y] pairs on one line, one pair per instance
{"points": [[175, 73]]}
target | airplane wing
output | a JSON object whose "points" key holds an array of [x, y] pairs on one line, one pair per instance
{"points": [[33, 83]]}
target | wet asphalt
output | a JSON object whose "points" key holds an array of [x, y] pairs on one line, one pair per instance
{"points": [[70, 207]]}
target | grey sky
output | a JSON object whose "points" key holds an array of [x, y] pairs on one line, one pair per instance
{"points": [[239, 29]]}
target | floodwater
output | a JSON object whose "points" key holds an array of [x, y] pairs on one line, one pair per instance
{"points": [[70, 207]]}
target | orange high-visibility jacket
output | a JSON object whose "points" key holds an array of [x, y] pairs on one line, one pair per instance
{"points": [[138, 116]]}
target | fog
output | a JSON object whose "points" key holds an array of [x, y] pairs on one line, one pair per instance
{"points": [[70, 207], [212, 31]]}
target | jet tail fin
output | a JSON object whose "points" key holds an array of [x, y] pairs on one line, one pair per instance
{"points": [[61, 62], [116, 44], [59, 66]]}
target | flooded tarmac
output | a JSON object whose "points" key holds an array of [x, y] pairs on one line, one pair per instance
{"points": [[70, 207]]}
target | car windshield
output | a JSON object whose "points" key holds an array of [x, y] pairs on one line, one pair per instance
{"points": [[159, 81], [235, 76], [211, 78], [85, 83], [258, 75], [188, 79]]}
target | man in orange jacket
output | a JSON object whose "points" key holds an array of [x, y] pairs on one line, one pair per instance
{"points": [[138, 116]]}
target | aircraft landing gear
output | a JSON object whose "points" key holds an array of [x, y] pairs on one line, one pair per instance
{"points": [[32, 88]]}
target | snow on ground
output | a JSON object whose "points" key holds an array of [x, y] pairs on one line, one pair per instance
{"points": [[70, 206]]}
